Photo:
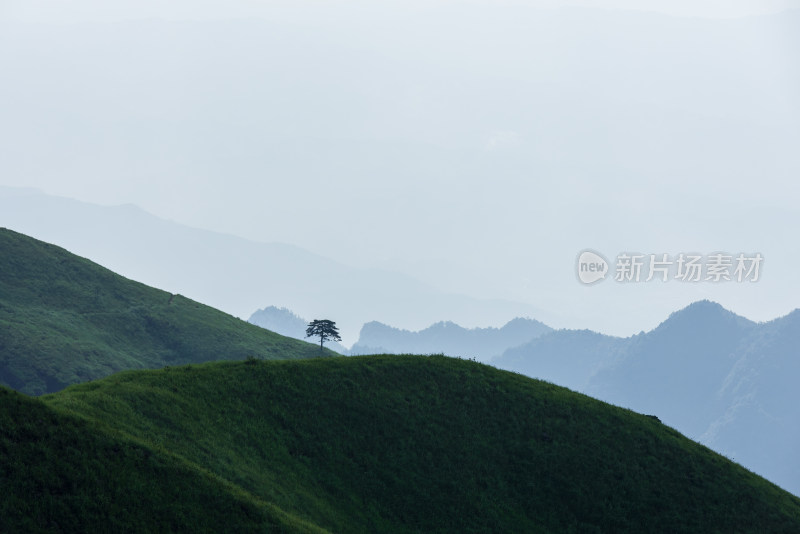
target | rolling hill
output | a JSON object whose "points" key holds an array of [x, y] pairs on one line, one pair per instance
{"points": [[363, 444], [64, 320], [62, 473]]}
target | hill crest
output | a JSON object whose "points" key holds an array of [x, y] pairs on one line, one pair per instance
{"points": [[413, 443]]}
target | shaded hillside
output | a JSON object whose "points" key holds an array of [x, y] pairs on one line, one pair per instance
{"points": [[62, 473], [282, 321], [448, 338], [759, 424], [64, 320], [430, 444], [713, 375]]}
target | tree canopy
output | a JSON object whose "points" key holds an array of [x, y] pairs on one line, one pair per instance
{"points": [[325, 329]]}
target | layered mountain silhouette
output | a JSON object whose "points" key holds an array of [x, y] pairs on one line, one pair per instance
{"points": [[446, 337], [720, 378]]}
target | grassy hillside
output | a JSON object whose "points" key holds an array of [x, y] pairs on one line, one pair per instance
{"points": [[61, 473], [421, 444], [64, 320]]}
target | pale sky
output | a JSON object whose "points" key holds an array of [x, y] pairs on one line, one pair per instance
{"points": [[99, 10], [477, 146]]}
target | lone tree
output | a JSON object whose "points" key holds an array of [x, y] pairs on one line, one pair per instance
{"points": [[325, 329]]}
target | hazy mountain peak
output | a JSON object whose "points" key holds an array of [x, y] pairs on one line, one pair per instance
{"points": [[702, 314], [704, 305], [377, 326]]}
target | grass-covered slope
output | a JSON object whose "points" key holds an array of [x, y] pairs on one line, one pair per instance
{"points": [[64, 320], [60, 473], [429, 444]]}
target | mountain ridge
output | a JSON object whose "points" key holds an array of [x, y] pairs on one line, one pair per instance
{"points": [[65, 319], [237, 275], [447, 337]]}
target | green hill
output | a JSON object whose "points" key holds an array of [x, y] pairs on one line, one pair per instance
{"points": [[61, 473], [367, 444], [65, 320]]}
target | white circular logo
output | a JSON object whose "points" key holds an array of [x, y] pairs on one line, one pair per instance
{"points": [[592, 267]]}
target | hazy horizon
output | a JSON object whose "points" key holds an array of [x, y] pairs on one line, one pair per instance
{"points": [[477, 147]]}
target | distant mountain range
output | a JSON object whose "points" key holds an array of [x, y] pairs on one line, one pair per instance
{"points": [[718, 377], [448, 338], [236, 275], [444, 337]]}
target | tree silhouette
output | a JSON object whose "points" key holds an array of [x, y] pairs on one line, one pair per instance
{"points": [[325, 329]]}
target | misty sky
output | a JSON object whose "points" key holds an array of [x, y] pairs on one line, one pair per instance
{"points": [[477, 146]]}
